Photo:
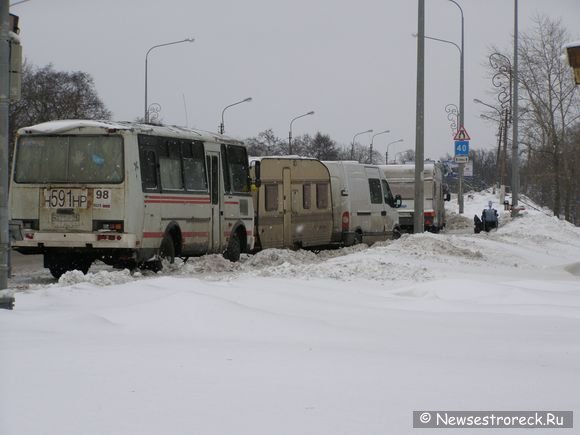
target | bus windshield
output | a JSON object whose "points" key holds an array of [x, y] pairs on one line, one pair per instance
{"points": [[69, 159]]}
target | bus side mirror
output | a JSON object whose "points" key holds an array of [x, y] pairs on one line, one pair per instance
{"points": [[447, 196], [257, 171]]}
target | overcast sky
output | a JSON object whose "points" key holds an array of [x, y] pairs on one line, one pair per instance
{"points": [[352, 62]]}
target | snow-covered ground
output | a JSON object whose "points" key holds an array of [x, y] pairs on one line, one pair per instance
{"points": [[349, 341]]}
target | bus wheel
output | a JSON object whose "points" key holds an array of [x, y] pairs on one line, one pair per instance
{"points": [[234, 248], [63, 264], [58, 270], [166, 251]]}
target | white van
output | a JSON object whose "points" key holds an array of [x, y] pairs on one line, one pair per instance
{"points": [[401, 179], [364, 208]]}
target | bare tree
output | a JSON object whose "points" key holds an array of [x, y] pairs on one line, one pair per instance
{"points": [[267, 144], [49, 95], [550, 108], [323, 147]]}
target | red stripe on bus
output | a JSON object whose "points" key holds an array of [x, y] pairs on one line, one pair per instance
{"points": [[196, 234], [231, 202], [176, 197], [174, 201], [152, 235]]}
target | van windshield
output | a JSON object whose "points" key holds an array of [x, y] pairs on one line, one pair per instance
{"points": [[69, 159]]}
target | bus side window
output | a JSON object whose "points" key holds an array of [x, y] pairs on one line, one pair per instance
{"points": [[149, 170], [194, 173], [237, 162], [215, 183], [225, 169], [170, 165]]}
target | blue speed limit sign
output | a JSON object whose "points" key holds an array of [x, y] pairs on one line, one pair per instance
{"points": [[461, 147]]}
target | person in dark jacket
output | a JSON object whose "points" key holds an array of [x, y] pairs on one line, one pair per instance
{"points": [[489, 217]]}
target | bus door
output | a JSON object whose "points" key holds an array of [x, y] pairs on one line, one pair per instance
{"points": [[287, 198], [213, 172]]}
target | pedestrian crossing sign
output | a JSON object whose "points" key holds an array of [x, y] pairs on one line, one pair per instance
{"points": [[461, 134]]}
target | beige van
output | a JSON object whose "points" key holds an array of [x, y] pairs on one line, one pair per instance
{"points": [[292, 202]]}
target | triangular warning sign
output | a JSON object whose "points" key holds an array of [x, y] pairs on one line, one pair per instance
{"points": [[461, 134]]}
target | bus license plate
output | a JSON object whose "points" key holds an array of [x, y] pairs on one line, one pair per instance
{"points": [[65, 198]]}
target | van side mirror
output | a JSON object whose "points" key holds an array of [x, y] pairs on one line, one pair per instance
{"points": [[398, 201], [447, 197], [257, 171]]}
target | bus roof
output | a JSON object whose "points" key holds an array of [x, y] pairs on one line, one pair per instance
{"points": [[87, 126]]}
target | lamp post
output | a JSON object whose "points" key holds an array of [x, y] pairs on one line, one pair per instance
{"points": [[245, 100], [461, 97], [461, 103], [146, 57], [290, 132], [4, 141], [388, 146], [372, 140], [501, 161], [418, 218], [515, 106], [353, 138]]}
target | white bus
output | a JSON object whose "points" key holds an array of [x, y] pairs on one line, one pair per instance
{"points": [[128, 194]]}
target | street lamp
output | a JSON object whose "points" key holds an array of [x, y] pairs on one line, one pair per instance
{"points": [[290, 132], [146, 57], [478, 101], [372, 140], [461, 103], [461, 96], [353, 138], [388, 145], [245, 100], [501, 161], [515, 120]]}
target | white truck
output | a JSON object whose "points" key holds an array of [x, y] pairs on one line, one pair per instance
{"points": [[401, 178], [364, 208]]}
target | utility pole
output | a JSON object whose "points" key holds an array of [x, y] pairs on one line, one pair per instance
{"points": [[4, 166], [418, 219], [515, 152], [461, 103]]}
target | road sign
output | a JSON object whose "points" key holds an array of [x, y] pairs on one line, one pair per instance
{"points": [[461, 148], [461, 134], [468, 170], [461, 159]]}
